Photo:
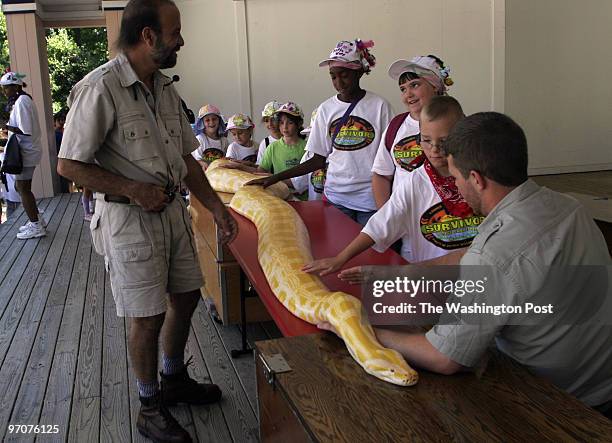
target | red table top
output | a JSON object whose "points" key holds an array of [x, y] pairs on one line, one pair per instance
{"points": [[330, 231]]}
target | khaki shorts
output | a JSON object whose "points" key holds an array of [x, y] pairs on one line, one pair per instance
{"points": [[148, 255]]}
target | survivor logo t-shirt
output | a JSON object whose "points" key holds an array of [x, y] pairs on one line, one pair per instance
{"points": [[415, 212], [209, 149], [400, 160], [246, 153], [447, 231], [349, 173]]}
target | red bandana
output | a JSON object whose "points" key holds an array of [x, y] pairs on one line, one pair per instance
{"points": [[454, 202]]}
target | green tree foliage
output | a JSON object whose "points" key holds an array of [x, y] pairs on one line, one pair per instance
{"points": [[4, 47], [4, 63], [72, 54]]}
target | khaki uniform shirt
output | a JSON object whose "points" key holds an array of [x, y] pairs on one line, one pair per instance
{"points": [[527, 238], [116, 122]]}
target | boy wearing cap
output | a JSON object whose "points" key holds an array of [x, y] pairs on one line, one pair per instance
{"points": [[286, 152], [346, 134], [243, 148], [23, 124], [271, 123]]}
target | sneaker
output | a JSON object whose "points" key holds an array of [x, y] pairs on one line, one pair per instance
{"points": [[156, 422], [41, 219], [26, 226], [180, 388], [32, 230]]}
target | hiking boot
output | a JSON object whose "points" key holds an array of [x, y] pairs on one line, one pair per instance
{"points": [[180, 388], [32, 230], [156, 422]]}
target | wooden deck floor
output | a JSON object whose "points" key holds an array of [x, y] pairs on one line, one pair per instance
{"points": [[63, 357]]}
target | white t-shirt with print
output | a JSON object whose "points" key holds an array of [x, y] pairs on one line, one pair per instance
{"points": [[406, 147], [415, 212], [210, 147], [239, 152], [314, 182], [25, 117], [349, 172], [263, 146]]}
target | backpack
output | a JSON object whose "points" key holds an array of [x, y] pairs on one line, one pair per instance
{"points": [[394, 125], [13, 163]]}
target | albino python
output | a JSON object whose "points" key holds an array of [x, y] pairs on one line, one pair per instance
{"points": [[283, 248]]}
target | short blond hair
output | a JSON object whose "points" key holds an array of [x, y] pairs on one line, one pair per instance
{"points": [[442, 106]]}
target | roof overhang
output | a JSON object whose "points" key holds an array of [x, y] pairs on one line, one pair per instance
{"points": [[64, 13]]}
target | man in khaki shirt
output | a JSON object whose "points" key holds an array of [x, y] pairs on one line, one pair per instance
{"points": [[534, 246], [126, 138]]}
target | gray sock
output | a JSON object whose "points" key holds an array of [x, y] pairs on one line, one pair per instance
{"points": [[147, 390], [173, 365]]}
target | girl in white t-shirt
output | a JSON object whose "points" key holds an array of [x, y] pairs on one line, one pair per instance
{"points": [[426, 207], [419, 79], [356, 135], [243, 148], [210, 132], [270, 121]]}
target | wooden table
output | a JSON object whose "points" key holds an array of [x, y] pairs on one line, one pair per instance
{"points": [[222, 274], [328, 397], [330, 231]]}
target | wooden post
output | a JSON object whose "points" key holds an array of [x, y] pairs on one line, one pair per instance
{"points": [[28, 53], [113, 24]]}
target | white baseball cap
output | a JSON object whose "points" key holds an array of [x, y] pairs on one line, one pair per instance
{"points": [[421, 65], [344, 51], [12, 78], [239, 121]]}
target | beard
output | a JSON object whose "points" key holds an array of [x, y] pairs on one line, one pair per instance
{"points": [[164, 56], [473, 200]]}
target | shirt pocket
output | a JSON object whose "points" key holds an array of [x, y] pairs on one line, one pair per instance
{"points": [[138, 136], [173, 127]]}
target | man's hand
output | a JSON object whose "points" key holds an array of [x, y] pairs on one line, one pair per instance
{"points": [[358, 274], [323, 266], [227, 224], [151, 198]]}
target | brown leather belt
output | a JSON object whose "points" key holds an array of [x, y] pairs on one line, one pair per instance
{"points": [[116, 199], [171, 193]]}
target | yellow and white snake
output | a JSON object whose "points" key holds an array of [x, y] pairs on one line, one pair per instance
{"points": [[283, 248]]}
